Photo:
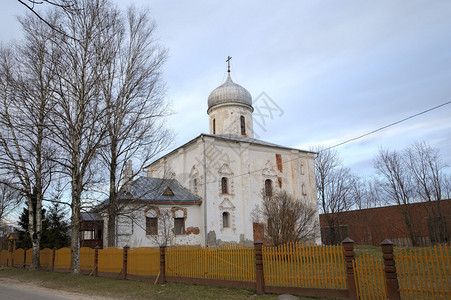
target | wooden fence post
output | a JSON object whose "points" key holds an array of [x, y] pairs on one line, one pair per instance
{"points": [[96, 260], [162, 276], [53, 259], [348, 246], [24, 258], [259, 276], [124, 265], [391, 277]]}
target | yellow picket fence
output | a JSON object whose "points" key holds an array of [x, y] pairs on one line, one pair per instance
{"points": [[111, 260], [18, 257], [4, 257], [29, 257], [62, 258], [46, 258], [304, 265], [225, 262], [144, 261], [369, 277], [87, 256], [424, 273]]}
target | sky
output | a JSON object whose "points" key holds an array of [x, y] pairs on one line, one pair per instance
{"points": [[320, 72]]}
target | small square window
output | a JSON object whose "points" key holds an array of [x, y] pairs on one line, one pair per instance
{"points": [[151, 226], [179, 225]]}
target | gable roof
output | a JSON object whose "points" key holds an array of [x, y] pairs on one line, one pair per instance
{"points": [[153, 190], [231, 138], [90, 216]]}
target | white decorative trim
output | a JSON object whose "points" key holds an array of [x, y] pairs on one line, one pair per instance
{"points": [[269, 171], [226, 205], [225, 170]]}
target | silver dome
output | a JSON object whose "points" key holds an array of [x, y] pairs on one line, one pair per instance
{"points": [[229, 92]]}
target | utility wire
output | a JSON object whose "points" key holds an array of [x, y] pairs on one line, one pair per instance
{"points": [[386, 126], [345, 142]]}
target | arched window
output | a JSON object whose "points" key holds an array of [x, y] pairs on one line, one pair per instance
{"points": [[225, 220], [268, 188], [224, 185], [243, 125], [214, 126]]}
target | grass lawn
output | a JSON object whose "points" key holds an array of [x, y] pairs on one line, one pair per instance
{"points": [[372, 250], [127, 289]]}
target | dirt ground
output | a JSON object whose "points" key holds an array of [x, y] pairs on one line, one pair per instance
{"points": [[39, 289]]}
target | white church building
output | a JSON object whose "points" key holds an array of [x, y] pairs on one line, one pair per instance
{"points": [[205, 191]]}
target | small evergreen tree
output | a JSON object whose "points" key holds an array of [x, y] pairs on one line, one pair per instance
{"points": [[55, 229]]}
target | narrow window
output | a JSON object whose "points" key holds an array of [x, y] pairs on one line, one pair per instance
{"points": [[243, 125], [225, 220], [179, 225], [268, 188], [151, 226], [195, 185], [224, 185], [214, 126]]}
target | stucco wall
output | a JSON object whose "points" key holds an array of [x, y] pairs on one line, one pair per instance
{"points": [[227, 119], [132, 228], [247, 166]]}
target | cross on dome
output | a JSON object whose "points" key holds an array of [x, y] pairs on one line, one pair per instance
{"points": [[228, 63]]}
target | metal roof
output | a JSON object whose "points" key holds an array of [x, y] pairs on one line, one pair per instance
{"points": [[153, 190], [90, 216], [229, 92]]}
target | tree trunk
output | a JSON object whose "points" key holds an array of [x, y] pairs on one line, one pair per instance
{"points": [[34, 218], [112, 211], [75, 223]]}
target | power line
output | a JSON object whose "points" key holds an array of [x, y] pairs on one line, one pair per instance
{"points": [[345, 142], [386, 126]]}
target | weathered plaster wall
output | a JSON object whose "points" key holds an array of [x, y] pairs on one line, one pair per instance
{"points": [[227, 119], [132, 228], [247, 166]]}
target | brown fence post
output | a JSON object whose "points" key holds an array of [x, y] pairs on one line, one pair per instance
{"points": [[96, 260], [124, 265], [24, 258], [391, 278], [53, 259], [162, 276], [348, 246], [259, 276]]}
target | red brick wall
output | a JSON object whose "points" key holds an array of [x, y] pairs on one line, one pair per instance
{"points": [[371, 226]]}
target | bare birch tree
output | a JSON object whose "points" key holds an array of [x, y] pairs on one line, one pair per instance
{"points": [[428, 172], [287, 219], [133, 91], [63, 5], [335, 190], [78, 113], [397, 183], [10, 199], [416, 174], [27, 73]]}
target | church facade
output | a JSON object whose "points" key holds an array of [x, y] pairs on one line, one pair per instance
{"points": [[210, 187]]}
